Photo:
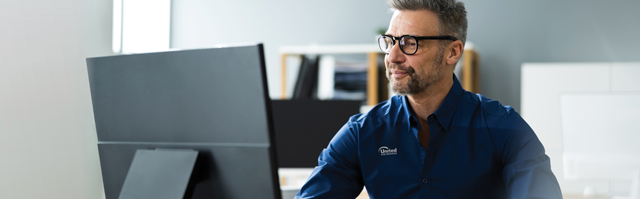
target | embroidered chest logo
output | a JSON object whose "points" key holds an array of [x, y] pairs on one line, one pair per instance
{"points": [[385, 151]]}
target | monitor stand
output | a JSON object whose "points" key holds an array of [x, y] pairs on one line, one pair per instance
{"points": [[635, 187], [160, 173]]}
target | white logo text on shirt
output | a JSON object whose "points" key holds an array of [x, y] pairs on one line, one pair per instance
{"points": [[384, 151]]}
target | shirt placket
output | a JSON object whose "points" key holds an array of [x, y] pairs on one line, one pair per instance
{"points": [[429, 157]]}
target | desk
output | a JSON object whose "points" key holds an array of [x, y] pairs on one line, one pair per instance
{"points": [[292, 179], [579, 196], [365, 195]]}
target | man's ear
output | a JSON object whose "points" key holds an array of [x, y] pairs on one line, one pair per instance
{"points": [[454, 52]]}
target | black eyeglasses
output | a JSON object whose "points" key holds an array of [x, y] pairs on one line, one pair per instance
{"points": [[408, 43]]}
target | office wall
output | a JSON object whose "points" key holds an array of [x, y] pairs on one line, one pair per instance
{"points": [[205, 23], [47, 137], [509, 33]]}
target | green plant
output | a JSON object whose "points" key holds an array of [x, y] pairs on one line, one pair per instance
{"points": [[381, 30]]}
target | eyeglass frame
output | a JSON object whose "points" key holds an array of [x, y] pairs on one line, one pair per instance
{"points": [[417, 38]]}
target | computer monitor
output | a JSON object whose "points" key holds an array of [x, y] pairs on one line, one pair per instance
{"points": [[303, 128], [601, 136], [214, 101]]}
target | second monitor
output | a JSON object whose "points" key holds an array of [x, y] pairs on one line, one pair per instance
{"points": [[304, 127]]}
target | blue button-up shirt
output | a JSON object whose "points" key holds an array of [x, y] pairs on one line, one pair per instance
{"points": [[478, 148]]}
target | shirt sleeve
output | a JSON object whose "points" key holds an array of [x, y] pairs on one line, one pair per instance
{"points": [[527, 169], [338, 172]]}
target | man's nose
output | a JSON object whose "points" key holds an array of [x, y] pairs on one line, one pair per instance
{"points": [[395, 54]]}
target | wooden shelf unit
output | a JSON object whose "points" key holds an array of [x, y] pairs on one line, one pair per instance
{"points": [[470, 64], [372, 51]]}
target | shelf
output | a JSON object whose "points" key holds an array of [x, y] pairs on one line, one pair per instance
{"points": [[330, 49], [470, 64], [372, 51]]}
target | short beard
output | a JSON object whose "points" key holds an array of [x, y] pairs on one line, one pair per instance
{"points": [[417, 82]]}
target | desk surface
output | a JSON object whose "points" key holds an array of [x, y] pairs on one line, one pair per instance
{"points": [[292, 179], [364, 195], [578, 196]]}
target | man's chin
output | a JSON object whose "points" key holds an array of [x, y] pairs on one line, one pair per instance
{"points": [[400, 89]]}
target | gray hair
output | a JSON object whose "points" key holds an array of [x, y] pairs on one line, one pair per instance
{"points": [[451, 14]]}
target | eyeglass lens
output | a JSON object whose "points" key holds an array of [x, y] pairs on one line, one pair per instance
{"points": [[408, 44]]}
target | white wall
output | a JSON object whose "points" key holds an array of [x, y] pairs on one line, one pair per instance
{"points": [[205, 23], [47, 137], [508, 33]]}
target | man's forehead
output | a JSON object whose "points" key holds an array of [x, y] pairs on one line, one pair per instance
{"points": [[410, 22]]}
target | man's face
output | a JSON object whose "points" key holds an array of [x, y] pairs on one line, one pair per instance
{"points": [[412, 74]]}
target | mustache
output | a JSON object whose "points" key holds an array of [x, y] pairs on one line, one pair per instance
{"points": [[407, 69]]}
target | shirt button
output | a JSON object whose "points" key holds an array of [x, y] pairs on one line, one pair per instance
{"points": [[424, 181]]}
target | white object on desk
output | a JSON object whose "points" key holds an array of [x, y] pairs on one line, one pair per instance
{"points": [[292, 180], [542, 84], [601, 136]]}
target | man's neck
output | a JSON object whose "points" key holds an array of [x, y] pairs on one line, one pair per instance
{"points": [[428, 101]]}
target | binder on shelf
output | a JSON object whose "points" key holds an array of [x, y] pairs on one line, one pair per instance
{"points": [[307, 83]]}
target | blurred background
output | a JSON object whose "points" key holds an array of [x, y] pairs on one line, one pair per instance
{"points": [[47, 132]]}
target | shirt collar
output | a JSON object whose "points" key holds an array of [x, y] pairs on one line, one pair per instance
{"points": [[444, 114]]}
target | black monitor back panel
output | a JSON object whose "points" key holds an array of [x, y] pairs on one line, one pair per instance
{"points": [[304, 127], [211, 100]]}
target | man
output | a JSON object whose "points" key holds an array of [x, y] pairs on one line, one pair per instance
{"points": [[434, 140]]}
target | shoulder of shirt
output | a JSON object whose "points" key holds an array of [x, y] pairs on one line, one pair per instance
{"points": [[493, 107], [381, 110], [494, 111]]}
